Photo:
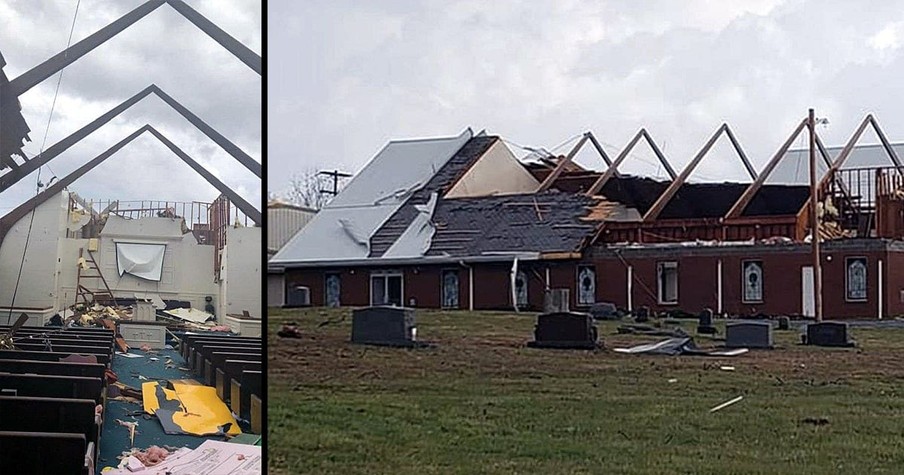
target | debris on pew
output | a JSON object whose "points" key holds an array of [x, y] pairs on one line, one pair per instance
{"points": [[6, 340]]}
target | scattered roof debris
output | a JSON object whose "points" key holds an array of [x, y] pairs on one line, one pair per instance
{"points": [[726, 404], [679, 346]]}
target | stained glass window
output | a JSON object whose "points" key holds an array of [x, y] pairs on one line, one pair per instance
{"points": [[753, 281], [856, 278], [586, 285]]}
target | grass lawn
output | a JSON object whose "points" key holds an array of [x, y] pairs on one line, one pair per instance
{"points": [[480, 401]]}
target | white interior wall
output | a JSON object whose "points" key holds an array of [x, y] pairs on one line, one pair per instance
{"points": [[187, 266], [49, 275], [497, 172], [240, 275], [38, 283]]}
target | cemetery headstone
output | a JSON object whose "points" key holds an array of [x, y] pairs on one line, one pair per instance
{"points": [[564, 330], [642, 315], [604, 311], [389, 326], [828, 334], [705, 324], [748, 335], [784, 323]]}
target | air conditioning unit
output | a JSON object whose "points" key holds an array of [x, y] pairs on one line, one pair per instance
{"points": [[298, 296]]}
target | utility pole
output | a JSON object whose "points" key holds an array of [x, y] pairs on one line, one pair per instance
{"points": [[336, 175], [814, 221]]}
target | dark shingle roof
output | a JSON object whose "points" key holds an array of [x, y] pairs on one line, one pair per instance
{"points": [[541, 222], [393, 228]]}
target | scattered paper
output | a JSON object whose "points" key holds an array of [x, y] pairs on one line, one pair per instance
{"points": [[210, 458], [134, 465], [129, 355]]}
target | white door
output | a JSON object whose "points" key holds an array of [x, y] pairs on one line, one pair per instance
{"points": [[808, 306]]}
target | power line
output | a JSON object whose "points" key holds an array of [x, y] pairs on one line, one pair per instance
{"points": [[31, 221]]}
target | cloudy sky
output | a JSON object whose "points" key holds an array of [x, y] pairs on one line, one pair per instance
{"points": [[346, 77], [164, 49]]}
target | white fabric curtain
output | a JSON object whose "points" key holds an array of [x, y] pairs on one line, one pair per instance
{"points": [[141, 260]]}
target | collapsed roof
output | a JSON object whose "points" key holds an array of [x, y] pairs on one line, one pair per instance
{"points": [[13, 129], [423, 201], [693, 200]]}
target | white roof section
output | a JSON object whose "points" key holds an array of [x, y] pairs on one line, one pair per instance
{"points": [[342, 229], [415, 241], [401, 167], [794, 167]]}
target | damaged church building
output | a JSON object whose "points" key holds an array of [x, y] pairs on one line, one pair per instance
{"points": [[462, 223], [111, 309]]}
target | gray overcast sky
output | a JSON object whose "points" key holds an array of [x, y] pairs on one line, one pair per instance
{"points": [[346, 77], [163, 48]]}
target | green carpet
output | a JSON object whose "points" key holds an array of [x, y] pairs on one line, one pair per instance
{"points": [[114, 437]]}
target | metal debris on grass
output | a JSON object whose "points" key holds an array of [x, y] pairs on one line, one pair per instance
{"points": [[679, 346], [726, 404]]}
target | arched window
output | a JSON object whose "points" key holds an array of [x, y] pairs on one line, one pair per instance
{"points": [[521, 289], [753, 281], [856, 278], [586, 285], [450, 289]]}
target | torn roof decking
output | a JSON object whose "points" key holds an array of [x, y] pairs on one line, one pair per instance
{"points": [[13, 129], [447, 176], [545, 222]]}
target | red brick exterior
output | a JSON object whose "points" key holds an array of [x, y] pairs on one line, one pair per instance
{"points": [[697, 280]]}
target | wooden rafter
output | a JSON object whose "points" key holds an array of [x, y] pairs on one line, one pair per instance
{"points": [[852, 142], [599, 150], [676, 184], [560, 167], [613, 169], [740, 152], [751, 190], [824, 154], [563, 163]]}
